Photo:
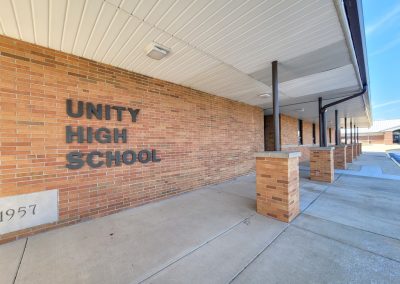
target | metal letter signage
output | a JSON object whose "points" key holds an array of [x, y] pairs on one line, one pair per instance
{"points": [[103, 135], [28, 210]]}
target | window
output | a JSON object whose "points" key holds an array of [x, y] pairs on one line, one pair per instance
{"points": [[300, 132], [313, 134], [330, 135]]}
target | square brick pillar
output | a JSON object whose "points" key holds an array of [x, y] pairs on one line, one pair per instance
{"points": [[277, 184], [340, 157], [322, 164], [355, 151], [349, 153]]}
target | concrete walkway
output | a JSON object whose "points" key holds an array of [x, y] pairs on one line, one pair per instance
{"points": [[348, 232], [371, 164]]}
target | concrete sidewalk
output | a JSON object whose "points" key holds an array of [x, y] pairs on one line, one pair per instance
{"points": [[348, 232], [371, 164]]}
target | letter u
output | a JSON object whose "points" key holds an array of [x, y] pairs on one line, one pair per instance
{"points": [[70, 113]]}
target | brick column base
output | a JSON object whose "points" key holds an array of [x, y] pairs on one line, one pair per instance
{"points": [[349, 154], [340, 157], [322, 164], [277, 184], [355, 150]]}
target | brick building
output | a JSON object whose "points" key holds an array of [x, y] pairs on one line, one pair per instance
{"points": [[108, 105], [381, 132]]}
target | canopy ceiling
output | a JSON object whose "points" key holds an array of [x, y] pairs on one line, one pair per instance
{"points": [[223, 47]]}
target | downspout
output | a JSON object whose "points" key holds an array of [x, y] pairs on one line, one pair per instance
{"points": [[325, 107], [347, 34], [340, 8]]}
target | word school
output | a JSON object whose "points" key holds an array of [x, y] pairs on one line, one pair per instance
{"points": [[79, 134]]}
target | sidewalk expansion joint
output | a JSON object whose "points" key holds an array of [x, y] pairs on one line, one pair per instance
{"points": [[20, 261], [244, 220], [258, 254], [344, 243], [361, 229]]}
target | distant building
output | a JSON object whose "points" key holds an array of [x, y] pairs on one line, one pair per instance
{"points": [[381, 132]]}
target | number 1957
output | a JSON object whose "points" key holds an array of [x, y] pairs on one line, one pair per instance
{"points": [[7, 215]]}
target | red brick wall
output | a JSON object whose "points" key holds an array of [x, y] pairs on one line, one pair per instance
{"points": [[372, 139], [289, 128], [269, 140], [388, 138], [201, 139], [289, 141], [307, 133]]}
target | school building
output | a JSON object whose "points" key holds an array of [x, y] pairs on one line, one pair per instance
{"points": [[111, 104]]}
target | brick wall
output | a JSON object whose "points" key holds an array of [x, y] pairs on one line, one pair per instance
{"points": [[372, 139], [289, 140], [388, 138], [201, 139], [322, 164], [269, 129], [277, 186]]}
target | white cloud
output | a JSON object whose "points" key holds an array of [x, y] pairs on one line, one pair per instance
{"points": [[383, 20], [387, 46], [386, 104]]}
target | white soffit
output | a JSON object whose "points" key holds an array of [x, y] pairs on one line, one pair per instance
{"points": [[218, 46], [338, 78]]}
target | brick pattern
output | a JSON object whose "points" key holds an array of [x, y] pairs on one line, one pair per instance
{"points": [[269, 139], [355, 151], [289, 141], [388, 138], [201, 139], [277, 186], [289, 127], [372, 139], [349, 153], [340, 157], [322, 164], [303, 149]]}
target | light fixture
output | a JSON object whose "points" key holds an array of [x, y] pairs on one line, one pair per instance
{"points": [[157, 51], [264, 95], [299, 109]]}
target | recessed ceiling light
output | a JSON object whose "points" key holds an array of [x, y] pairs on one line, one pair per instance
{"points": [[264, 95], [157, 51]]}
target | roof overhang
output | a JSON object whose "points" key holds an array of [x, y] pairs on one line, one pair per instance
{"points": [[222, 47]]}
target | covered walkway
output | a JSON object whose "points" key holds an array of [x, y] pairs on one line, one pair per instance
{"points": [[348, 231], [370, 164]]}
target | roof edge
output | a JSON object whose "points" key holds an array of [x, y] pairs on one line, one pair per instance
{"points": [[355, 21]]}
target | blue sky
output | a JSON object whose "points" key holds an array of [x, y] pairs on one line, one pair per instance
{"points": [[382, 29]]}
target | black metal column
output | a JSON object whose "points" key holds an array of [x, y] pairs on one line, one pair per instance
{"points": [[351, 131], [275, 100], [321, 123], [337, 128], [358, 135], [324, 128], [345, 130], [354, 131]]}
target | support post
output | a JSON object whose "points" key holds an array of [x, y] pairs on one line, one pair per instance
{"points": [[351, 131], [277, 184], [345, 130], [320, 120], [337, 128], [322, 164], [354, 131], [275, 99], [322, 124], [358, 135]]}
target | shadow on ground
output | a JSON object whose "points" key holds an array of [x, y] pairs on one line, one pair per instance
{"points": [[347, 232]]}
